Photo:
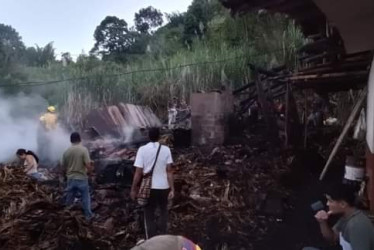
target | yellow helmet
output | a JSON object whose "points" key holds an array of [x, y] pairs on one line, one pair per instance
{"points": [[51, 109]]}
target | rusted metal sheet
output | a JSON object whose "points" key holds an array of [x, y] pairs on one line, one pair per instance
{"points": [[101, 121], [113, 120], [139, 116]]}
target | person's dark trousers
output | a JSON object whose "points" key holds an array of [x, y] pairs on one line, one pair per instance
{"points": [[158, 200], [73, 187]]}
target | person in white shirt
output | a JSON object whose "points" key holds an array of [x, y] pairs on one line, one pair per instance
{"points": [[162, 187]]}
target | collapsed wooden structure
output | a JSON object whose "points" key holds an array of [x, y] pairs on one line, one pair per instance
{"points": [[336, 58]]}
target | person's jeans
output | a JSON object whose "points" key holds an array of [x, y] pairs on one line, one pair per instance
{"points": [[157, 199], [36, 176], [75, 186]]}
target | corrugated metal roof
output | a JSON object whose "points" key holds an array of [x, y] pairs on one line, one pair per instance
{"points": [[114, 120]]}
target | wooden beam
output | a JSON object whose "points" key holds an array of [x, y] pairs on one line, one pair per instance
{"points": [[247, 86]]}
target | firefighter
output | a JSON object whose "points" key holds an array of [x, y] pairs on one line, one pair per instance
{"points": [[48, 123], [49, 119]]}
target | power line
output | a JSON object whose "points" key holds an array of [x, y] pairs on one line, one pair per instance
{"points": [[42, 83]]}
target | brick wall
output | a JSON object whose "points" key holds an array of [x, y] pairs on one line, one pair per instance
{"points": [[209, 113]]}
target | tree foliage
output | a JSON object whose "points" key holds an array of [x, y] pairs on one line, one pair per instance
{"points": [[175, 19], [114, 39], [199, 13], [11, 45], [148, 18], [207, 32], [11, 49], [40, 56]]}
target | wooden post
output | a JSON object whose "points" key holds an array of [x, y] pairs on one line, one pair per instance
{"points": [[261, 97], [267, 110], [295, 125], [287, 121]]}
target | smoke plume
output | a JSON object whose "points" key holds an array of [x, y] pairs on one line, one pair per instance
{"points": [[19, 122]]}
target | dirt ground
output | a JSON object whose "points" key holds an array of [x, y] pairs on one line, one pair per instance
{"points": [[299, 228]]}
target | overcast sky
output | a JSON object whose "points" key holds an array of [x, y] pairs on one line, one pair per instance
{"points": [[70, 24]]}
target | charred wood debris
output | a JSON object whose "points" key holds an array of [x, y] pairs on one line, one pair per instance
{"points": [[220, 196], [221, 192]]}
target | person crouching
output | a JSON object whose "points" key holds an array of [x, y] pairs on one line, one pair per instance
{"points": [[30, 162]]}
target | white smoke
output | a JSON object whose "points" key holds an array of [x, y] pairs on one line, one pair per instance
{"points": [[129, 133], [19, 121]]}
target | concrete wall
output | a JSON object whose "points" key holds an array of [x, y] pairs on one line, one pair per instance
{"points": [[210, 113]]}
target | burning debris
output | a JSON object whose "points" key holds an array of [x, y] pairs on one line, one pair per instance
{"points": [[114, 133]]}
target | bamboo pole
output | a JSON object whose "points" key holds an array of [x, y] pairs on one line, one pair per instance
{"points": [[350, 120]]}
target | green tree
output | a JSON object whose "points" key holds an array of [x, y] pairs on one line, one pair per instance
{"points": [[168, 39], [11, 50], [175, 19], [198, 15], [39, 56], [11, 45], [114, 40], [147, 19], [44, 56]]}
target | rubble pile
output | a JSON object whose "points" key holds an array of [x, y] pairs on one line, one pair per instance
{"points": [[220, 198], [219, 204], [32, 217]]}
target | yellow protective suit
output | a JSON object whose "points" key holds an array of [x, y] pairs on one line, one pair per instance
{"points": [[49, 121]]}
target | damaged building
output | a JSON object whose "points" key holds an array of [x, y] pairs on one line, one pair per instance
{"points": [[338, 57], [232, 196]]}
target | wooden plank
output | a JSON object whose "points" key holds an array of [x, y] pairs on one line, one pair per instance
{"points": [[328, 76], [267, 110], [247, 86]]}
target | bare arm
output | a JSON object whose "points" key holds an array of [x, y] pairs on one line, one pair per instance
{"points": [[29, 163], [136, 182], [170, 175], [327, 232], [90, 167]]}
